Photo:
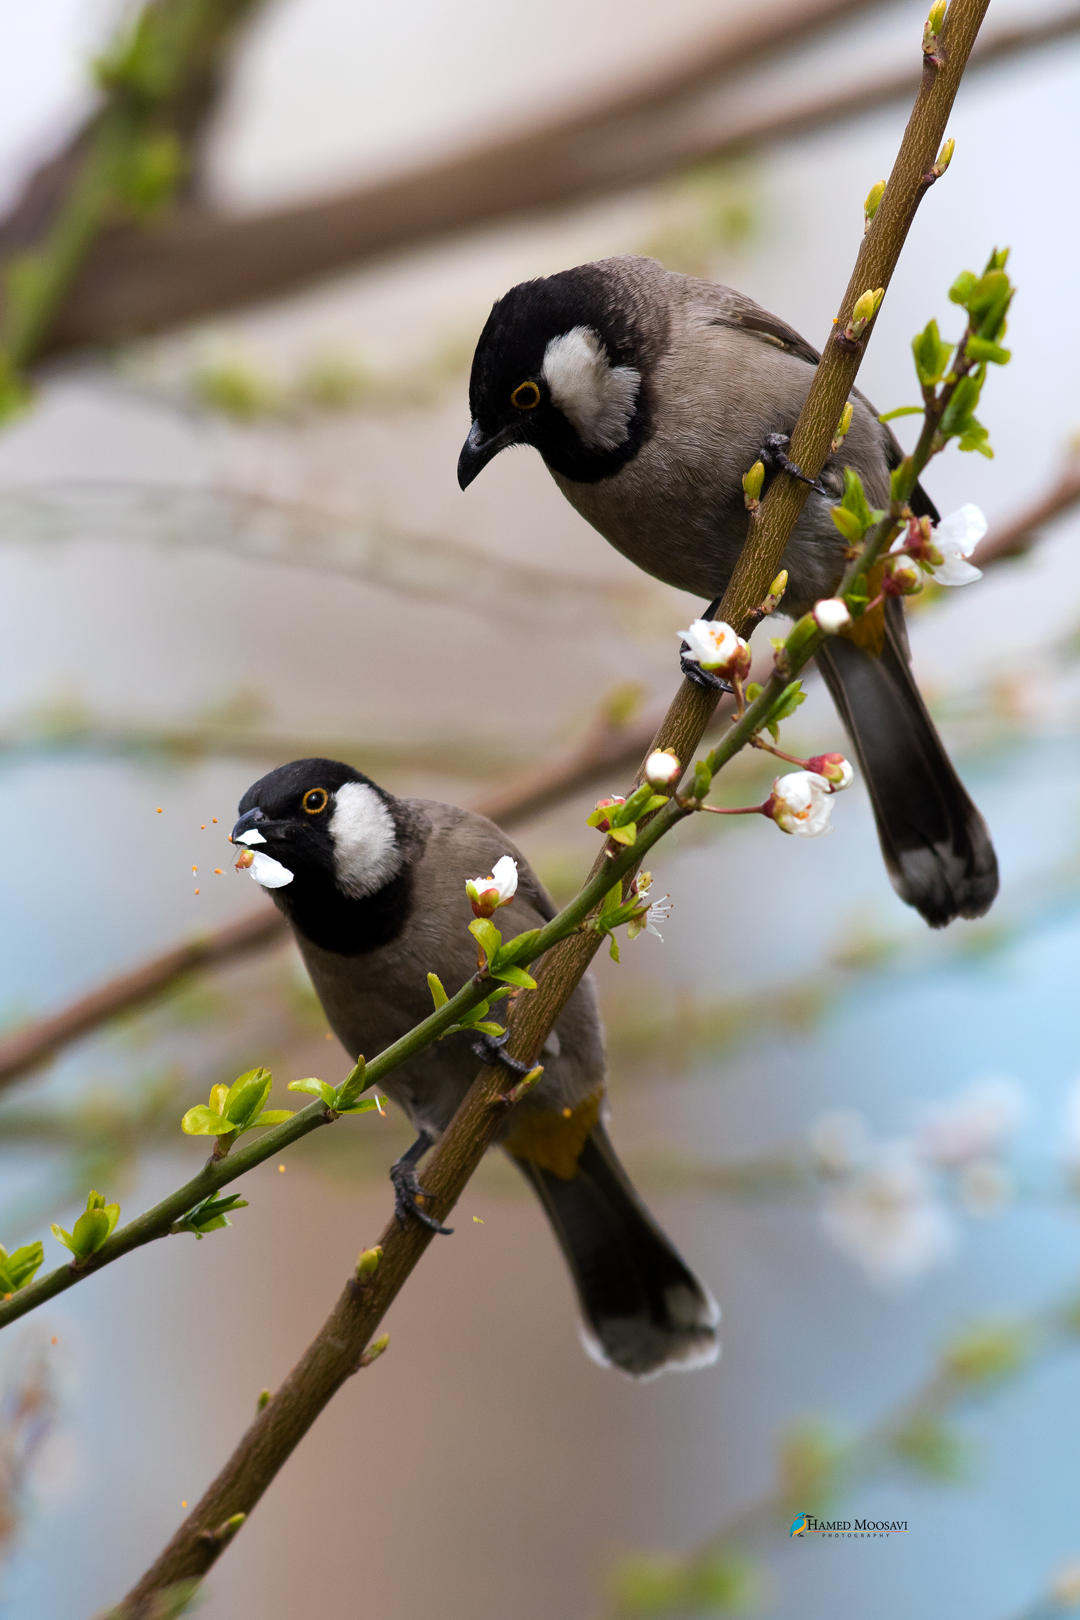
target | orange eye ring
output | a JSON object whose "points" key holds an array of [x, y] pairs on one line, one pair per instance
{"points": [[526, 396], [315, 801]]}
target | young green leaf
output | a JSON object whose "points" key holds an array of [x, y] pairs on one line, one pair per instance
{"points": [[246, 1097], [624, 835], [515, 976], [18, 1268], [931, 355], [438, 994], [272, 1116], [487, 936], [902, 410], [350, 1088], [203, 1121], [377, 1105], [316, 1088]]}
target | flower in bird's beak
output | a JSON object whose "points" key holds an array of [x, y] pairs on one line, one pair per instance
{"points": [[801, 803], [270, 873], [662, 768], [487, 894], [715, 646], [834, 768]]}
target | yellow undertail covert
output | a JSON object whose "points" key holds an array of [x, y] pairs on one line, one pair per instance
{"points": [[554, 1140]]}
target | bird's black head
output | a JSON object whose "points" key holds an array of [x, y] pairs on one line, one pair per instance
{"points": [[563, 364], [334, 850]]}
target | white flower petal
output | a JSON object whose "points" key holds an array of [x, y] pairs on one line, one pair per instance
{"points": [[831, 615], [270, 873], [712, 644], [971, 1126], [961, 531], [802, 804], [888, 1219], [251, 837]]}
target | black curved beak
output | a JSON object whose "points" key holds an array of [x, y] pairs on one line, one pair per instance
{"points": [[248, 822], [480, 448]]}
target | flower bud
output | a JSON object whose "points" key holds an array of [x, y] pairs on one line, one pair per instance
{"points": [[374, 1351], [834, 768], [801, 803], [903, 576], [715, 646], [488, 894], [933, 26], [245, 859], [752, 483], [776, 591], [598, 819], [831, 615], [662, 768]]}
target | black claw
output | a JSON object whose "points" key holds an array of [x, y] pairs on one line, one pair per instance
{"points": [[772, 454], [702, 677], [489, 1048], [407, 1190]]}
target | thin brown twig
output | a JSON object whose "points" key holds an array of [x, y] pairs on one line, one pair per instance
{"points": [[339, 1348], [196, 261]]}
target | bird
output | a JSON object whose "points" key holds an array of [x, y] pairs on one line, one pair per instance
{"points": [[649, 394], [374, 889]]}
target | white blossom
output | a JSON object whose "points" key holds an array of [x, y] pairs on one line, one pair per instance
{"points": [[489, 893], [715, 646], [985, 1187], [971, 1126], [662, 768], [831, 615], [888, 1219], [955, 537], [270, 873], [252, 837], [801, 803], [839, 1140], [659, 911]]}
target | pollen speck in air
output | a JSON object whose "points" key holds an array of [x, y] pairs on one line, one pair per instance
{"points": [[183, 1504], [568, 1113], [478, 1221], [159, 809], [219, 871], [214, 820], [54, 1340], [281, 1167]]}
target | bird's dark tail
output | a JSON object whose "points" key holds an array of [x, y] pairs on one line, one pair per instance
{"points": [[643, 1309], [935, 843]]}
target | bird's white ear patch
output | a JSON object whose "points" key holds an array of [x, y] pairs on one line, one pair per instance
{"points": [[366, 853], [598, 398]]}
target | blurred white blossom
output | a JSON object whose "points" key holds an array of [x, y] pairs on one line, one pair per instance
{"points": [[975, 1124], [889, 1218], [839, 1140], [831, 615]]}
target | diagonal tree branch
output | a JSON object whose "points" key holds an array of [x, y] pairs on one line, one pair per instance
{"points": [[340, 1347], [196, 261]]}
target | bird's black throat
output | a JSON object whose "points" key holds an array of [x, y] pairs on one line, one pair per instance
{"points": [[334, 922]]}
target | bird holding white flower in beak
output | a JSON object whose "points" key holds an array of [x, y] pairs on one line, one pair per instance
{"points": [[380, 892]]}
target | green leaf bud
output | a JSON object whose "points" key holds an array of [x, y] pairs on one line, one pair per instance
{"points": [[315, 1088], [368, 1263], [263, 1401], [438, 994], [873, 202], [374, 1351], [18, 1268], [752, 483]]}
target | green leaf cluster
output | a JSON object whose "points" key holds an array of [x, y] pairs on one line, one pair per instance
{"points": [[713, 1582], [931, 359], [210, 1214], [622, 819], [343, 1099], [236, 1108], [930, 1448], [93, 1227], [987, 1354], [614, 911], [17, 1269], [500, 959], [854, 516]]}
